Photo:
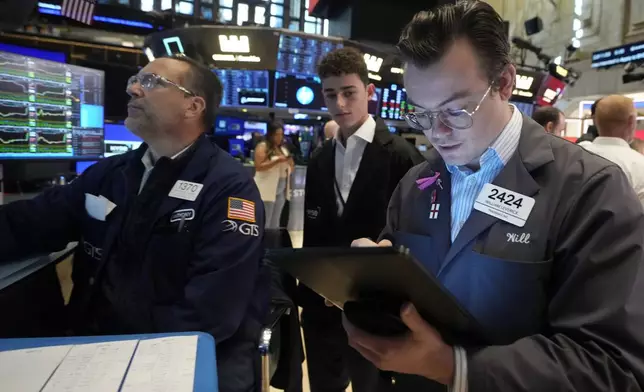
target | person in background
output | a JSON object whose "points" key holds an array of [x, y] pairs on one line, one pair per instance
{"points": [[539, 240], [638, 145], [616, 120], [551, 119], [348, 184], [273, 168], [330, 129], [161, 245], [591, 132]]}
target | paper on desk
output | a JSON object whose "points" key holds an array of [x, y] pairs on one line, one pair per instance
{"points": [[28, 370], [164, 364], [97, 367]]}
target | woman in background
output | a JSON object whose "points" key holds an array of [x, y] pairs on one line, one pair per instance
{"points": [[273, 168]]}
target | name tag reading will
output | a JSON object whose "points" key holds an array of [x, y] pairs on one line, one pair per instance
{"points": [[504, 204], [185, 190]]}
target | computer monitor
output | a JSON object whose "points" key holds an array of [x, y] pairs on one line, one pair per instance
{"points": [[243, 88], [81, 166], [49, 110], [119, 140], [33, 52], [393, 104], [256, 126], [236, 147], [301, 55], [229, 125], [298, 92]]}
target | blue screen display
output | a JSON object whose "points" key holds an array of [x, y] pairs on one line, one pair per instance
{"points": [[81, 166], [119, 140], [58, 57], [231, 125], [298, 92], [49, 110]]}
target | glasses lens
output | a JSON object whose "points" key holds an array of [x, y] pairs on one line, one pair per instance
{"points": [[133, 79], [419, 121], [148, 81], [456, 120]]}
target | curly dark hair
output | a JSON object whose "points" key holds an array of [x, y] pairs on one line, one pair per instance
{"points": [[344, 61], [427, 38]]}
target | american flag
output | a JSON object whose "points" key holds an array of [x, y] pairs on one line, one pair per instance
{"points": [[241, 209], [79, 10], [433, 212]]}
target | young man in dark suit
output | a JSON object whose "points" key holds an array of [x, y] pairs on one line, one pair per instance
{"points": [[348, 185]]}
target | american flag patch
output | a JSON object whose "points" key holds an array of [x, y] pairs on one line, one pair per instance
{"points": [[79, 10], [241, 209], [433, 212]]}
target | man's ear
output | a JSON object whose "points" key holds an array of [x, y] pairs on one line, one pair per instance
{"points": [[196, 106], [550, 127], [371, 90], [506, 82]]}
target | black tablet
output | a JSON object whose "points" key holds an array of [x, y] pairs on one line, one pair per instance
{"points": [[372, 284]]}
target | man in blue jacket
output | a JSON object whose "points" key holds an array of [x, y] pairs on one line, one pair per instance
{"points": [[170, 235]]}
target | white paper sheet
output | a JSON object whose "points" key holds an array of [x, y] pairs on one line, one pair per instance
{"points": [[163, 365], [97, 367], [28, 370]]}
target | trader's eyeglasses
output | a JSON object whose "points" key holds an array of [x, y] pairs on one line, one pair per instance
{"points": [[150, 81], [455, 119]]}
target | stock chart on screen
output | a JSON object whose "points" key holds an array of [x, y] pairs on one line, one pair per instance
{"points": [[49, 109]]}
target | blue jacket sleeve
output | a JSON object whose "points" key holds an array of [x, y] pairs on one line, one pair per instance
{"points": [[224, 270], [44, 224], [594, 337]]}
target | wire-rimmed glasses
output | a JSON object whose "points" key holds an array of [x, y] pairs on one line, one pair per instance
{"points": [[150, 81], [455, 119]]}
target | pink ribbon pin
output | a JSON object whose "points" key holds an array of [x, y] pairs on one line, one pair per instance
{"points": [[424, 183]]}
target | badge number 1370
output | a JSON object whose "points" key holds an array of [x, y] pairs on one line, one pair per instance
{"points": [[504, 204]]}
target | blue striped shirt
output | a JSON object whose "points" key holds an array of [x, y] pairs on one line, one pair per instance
{"points": [[467, 184]]}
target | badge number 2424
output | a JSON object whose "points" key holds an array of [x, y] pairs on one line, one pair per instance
{"points": [[504, 204]]}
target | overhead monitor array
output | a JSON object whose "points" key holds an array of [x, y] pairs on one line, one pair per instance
{"points": [[49, 110]]}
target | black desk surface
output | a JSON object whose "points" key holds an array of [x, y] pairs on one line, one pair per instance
{"points": [[13, 272]]}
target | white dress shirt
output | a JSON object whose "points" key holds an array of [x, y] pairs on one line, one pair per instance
{"points": [[619, 152], [347, 159]]}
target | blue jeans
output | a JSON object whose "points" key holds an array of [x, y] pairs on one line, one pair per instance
{"points": [[274, 209]]}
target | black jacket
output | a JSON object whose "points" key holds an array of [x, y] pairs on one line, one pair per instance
{"points": [[157, 262], [384, 162]]}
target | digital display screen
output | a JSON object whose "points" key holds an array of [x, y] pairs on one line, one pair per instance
{"points": [[620, 55], [243, 88], [298, 92], [225, 124], [49, 110], [119, 140], [256, 126], [32, 52], [525, 108], [527, 86], [291, 129], [236, 147], [81, 166], [551, 91], [394, 103], [374, 102], [301, 55]]}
